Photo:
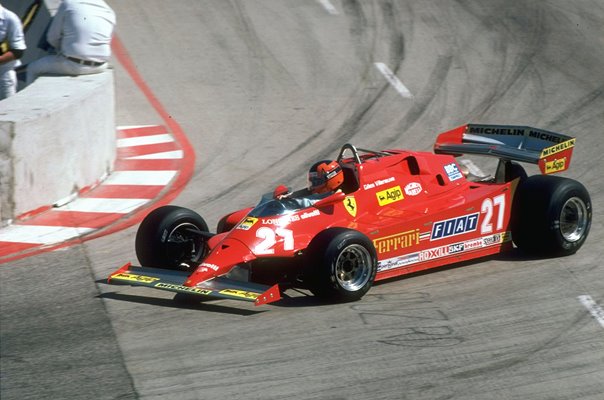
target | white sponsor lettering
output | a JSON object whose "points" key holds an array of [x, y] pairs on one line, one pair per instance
{"points": [[281, 221], [444, 251], [210, 266], [310, 214], [398, 262], [378, 182]]}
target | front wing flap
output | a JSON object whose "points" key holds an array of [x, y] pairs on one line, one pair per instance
{"points": [[173, 281]]}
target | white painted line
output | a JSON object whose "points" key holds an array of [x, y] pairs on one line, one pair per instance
{"points": [[126, 127], [40, 234], [328, 7], [104, 205], [394, 81], [594, 309], [166, 155], [143, 140], [153, 178]]}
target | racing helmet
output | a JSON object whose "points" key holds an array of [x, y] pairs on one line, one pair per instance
{"points": [[325, 176]]}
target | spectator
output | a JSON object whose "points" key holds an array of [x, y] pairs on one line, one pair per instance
{"points": [[80, 33], [12, 45]]}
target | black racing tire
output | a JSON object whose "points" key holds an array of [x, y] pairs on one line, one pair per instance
{"points": [[342, 264], [550, 215], [515, 170], [164, 241]]}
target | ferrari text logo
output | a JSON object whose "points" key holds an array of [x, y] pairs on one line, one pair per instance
{"points": [[389, 196], [397, 242], [350, 204]]}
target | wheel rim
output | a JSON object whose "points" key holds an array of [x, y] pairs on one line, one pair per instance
{"points": [[353, 267], [573, 219], [183, 245]]}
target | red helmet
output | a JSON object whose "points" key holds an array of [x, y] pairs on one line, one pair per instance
{"points": [[325, 176]]}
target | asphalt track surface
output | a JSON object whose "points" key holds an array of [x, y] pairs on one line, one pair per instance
{"points": [[264, 88]]}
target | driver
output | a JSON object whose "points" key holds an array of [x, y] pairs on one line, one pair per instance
{"points": [[323, 177]]}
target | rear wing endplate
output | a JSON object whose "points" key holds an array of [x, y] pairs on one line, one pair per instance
{"points": [[550, 150]]}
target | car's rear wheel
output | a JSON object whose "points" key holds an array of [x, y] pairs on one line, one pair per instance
{"points": [[551, 215], [167, 238], [342, 265]]}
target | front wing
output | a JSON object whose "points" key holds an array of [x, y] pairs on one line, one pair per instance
{"points": [[172, 281]]}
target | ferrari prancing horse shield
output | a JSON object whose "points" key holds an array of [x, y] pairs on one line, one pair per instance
{"points": [[351, 205]]}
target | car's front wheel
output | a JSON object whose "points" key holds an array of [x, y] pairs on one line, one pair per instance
{"points": [[167, 238], [342, 264]]}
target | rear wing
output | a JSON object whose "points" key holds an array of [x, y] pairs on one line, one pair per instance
{"points": [[550, 150]]}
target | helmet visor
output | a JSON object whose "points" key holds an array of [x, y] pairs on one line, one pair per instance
{"points": [[315, 180]]}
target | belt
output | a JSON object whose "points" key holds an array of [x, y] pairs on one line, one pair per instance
{"points": [[85, 62]]}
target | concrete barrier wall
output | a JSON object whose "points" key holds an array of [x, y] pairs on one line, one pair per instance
{"points": [[57, 136]]}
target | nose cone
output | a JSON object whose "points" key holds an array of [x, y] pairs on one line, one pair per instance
{"points": [[221, 260]]}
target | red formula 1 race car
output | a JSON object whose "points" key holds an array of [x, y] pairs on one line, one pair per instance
{"points": [[394, 212]]}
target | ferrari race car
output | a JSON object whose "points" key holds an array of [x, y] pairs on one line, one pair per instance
{"points": [[396, 212]]}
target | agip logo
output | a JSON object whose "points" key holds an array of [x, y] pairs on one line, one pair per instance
{"points": [[555, 166], [389, 196], [247, 223]]}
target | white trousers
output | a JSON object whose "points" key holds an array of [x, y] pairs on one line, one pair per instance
{"points": [[59, 65], [8, 84]]}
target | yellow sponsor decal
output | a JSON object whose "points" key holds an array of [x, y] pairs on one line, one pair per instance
{"points": [[181, 288], [506, 237], [134, 278], [548, 151], [555, 166], [389, 196], [350, 204], [397, 242], [240, 293], [247, 223]]}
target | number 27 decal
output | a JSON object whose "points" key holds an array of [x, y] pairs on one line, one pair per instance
{"points": [[487, 209], [269, 239]]}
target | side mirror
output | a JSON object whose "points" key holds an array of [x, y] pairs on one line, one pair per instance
{"points": [[334, 198]]}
